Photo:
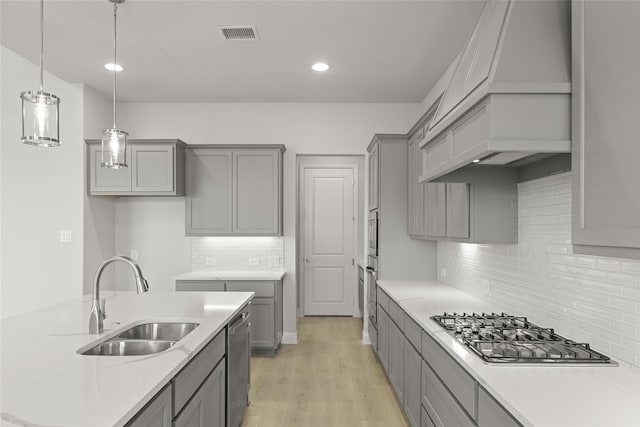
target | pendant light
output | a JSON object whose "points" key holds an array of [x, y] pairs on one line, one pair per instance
{"points": [[114, 140], [40, 110]]}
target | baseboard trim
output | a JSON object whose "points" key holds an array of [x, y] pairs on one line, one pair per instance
{"points": [[365, 338], [290, 338]]}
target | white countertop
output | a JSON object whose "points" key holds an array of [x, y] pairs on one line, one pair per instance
{"points": [[44, 382], [541, 396], [231, 275]]}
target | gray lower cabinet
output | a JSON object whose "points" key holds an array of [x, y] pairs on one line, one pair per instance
{"points": [[396, 360], [195, 397], [157, 413], [605, 150], [412, 384], [439, 404], [207, 407], [491, 414], [383, 338], [426, 421], [234, 190], [156, 168], [265, 308]]}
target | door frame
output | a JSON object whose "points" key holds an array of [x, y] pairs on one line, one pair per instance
{"points": [[329, 161]]}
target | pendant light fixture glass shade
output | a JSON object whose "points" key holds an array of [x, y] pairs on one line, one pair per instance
{"points": [[114, 140], [40, 110]]}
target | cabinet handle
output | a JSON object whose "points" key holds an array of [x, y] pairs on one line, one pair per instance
{"points": [[307, 260]]}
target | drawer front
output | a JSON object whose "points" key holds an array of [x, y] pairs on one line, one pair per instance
{"points": [[383, 300], [491, 414], [413, 332], [397, 314], [440, 405], [462, 385], [261, 288], [199, 285], [426, 421], [189, 379]]}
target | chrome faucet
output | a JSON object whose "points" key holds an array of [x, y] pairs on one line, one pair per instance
{"points": [[98, 312]]}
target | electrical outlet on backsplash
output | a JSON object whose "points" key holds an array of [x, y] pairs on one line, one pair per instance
{"points": [[588, 298], [250, 253]]}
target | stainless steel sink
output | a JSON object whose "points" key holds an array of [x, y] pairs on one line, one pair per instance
{"points": [[159, 331], [128, 348], [139, 340]]}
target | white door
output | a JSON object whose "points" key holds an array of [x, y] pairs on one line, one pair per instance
{"points": [[329, 241]]}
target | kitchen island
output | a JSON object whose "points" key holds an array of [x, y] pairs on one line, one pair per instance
{"points": [[45, 381], [535, 395]]}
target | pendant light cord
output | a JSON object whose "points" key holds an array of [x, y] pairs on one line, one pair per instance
{"points": [[115, 18], [41, 44]]}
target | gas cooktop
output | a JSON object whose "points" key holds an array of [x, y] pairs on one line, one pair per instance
{"points": [[502, 338]]}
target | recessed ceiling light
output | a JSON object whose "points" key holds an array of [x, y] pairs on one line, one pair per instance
{"points": [[476, 161], [320, 66], [113, 67]]}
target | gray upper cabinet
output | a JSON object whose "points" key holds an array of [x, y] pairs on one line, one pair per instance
{"points": [[606, 105], [458, 210], [416, 190], [257, 191], [435, 208], [234, 190], [374, 177], [156, 168]]}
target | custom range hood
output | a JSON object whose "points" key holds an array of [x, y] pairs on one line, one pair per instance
{"points": [[508, 103]]}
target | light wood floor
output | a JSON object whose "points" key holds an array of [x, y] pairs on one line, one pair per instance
{"points": [[328, 379]]}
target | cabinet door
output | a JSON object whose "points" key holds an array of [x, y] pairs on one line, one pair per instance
{"points": [[416, 191], [157, 413], [262, 323], [207, 407], [458, 210], [606, 107], [396, 360], [152, 167], [374, 170], [106, 180], [412, 384], [435, 208], [208, 202], [383, 338], [256, 192], [491, 414]]}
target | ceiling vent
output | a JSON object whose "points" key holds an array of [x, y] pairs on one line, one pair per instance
{"points": [[239, 32]]}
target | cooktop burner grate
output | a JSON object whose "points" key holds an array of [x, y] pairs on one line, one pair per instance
{"points": [[502, 338]]}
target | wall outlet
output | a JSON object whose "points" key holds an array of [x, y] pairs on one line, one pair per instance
{"points": [[65, 236], [134, 254], [274, 261], [211, 261], [254, 261], [443, 272]]}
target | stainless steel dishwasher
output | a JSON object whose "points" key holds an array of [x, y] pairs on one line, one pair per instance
{"points": [[238, 367]]}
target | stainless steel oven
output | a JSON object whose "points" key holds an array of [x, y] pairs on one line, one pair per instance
{"points": [[373, 233]]}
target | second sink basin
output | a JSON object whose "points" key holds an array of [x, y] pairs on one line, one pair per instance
{"points": [[139, 340], [169, 331]]}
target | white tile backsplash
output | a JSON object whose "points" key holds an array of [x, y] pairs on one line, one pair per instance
{"points": [[586, 298], [233, 253]]}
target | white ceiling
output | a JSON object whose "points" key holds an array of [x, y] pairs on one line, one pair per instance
{"points": [[379, 51]]}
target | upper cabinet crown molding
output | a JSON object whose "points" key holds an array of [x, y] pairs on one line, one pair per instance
{"points": [[509, 96], [156, 168]]}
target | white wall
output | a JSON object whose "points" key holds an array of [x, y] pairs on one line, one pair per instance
{"points": [[41, 194], [99, 212], [587, 298], [303, 128]]}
